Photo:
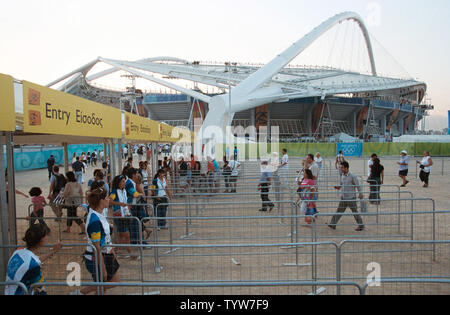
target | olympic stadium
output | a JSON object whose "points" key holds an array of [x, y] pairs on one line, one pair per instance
{"points": [[308, 103]]}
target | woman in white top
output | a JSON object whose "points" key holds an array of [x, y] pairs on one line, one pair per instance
{"points": [[318, 159], [161, 200], [425, 165]]}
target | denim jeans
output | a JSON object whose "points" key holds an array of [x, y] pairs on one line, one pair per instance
{"points": [[79, 177], [160, 211]]}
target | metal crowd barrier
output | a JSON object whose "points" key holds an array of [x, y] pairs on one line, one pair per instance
{"points": [[20, 284], [264, 265]]}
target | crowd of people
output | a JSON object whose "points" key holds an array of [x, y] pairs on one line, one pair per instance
{"points": [[127, 196]]}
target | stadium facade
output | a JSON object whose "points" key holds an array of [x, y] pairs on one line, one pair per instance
{"points": [[306, 103]]}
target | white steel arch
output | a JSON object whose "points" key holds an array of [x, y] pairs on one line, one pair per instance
{"points": [[252, 86], [260, 77]]}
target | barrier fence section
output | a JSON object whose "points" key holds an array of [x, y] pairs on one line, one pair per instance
{"points": [[388, 267], [58, 268]]}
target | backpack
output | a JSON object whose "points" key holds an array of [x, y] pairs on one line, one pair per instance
{"points": [[59, 184], [183, 168], [155, 187]]}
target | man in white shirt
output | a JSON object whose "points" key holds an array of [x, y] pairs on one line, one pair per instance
{"points": [[234, 166], [284, 168], [403, 168], [312, 165]]}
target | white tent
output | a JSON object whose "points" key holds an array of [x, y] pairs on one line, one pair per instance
{"points": [[422, 138]]}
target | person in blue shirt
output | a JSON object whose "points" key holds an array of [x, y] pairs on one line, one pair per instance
{"points": [[25, 266]]}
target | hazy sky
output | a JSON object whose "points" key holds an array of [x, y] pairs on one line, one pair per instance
{"points": [[41, 40]]}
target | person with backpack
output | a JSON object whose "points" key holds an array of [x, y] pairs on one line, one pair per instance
{"points": [[55, 196], [183, 166]]}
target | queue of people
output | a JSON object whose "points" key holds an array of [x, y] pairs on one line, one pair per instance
{"points": [[128, 194]]}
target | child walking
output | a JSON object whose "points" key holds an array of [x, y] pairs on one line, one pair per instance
{"points": [[38, 202]]}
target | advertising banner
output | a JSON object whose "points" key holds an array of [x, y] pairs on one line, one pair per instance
{"points": [[141, 128], [350, 149], [53, 112], [7, 110]]}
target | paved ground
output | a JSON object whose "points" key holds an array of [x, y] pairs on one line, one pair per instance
{"points": [[272, 263]]}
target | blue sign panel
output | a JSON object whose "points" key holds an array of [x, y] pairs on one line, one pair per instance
{"points": [[350, 149]]}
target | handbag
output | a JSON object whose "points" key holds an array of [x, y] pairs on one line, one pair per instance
{"points": [[59, 199]]}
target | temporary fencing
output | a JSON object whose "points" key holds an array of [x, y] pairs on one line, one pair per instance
{"points": [[257, 269]]}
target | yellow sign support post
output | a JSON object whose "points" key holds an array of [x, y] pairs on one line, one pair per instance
{"points": [[7, 108]]}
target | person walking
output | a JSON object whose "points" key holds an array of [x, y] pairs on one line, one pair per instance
{"points": [[308, 194], [319, 160], [78, 169], [403, 168], [425, 168], [118, 199], [226, 172], [39, 203], [283, 169], [25, 265], [132, 199], [50, 163], [73, 196], [234, 166], [376, 179], [57, 184], [264, 187], [98, 232], [349, 183], [369, 164], [339, 160], [162, 198]]}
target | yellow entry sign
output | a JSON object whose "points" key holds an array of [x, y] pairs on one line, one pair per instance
{"points": [[140, 128], [54, 112], [7, 108]]}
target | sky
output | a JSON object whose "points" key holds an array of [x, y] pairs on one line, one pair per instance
{"points": [[41, 40]]}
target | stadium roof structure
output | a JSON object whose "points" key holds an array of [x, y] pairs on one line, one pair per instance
{"points": [[248, 87]]}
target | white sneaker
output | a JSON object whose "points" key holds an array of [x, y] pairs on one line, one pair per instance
{"points": [[76, 292]]}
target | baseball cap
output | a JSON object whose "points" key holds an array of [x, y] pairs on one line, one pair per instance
{"points": [[405, 152]]}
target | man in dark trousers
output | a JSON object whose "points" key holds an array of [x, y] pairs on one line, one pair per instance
{"points": [[264, 187], [50, 162], [349, 183], [78, 169]]}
